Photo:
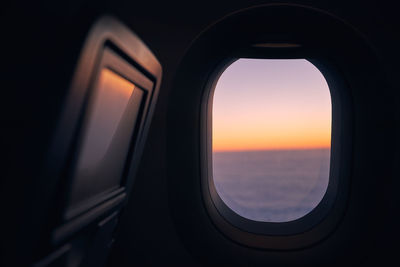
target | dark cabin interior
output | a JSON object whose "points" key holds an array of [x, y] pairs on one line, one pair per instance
{"points": [[161, 216]]}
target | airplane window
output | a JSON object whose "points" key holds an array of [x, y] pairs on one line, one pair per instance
{"points": [[105, 142], [271, 137]]}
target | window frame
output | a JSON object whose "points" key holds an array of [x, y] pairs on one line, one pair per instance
{"points": [[319, 37], [109, 44], [325, 215], [113, 61]]}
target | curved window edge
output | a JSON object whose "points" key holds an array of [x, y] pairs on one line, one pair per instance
{"points": [[325, 215]]}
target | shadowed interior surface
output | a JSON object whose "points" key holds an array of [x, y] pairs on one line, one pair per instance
{"points": [[165, 221]]}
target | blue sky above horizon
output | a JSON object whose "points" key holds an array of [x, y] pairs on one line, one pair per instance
{"points": [[262, 104]]}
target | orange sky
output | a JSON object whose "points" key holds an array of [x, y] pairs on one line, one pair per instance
{"points": [[271, 104]]}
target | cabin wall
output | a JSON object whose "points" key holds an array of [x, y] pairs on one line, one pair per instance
{"points": [[41, 44]]}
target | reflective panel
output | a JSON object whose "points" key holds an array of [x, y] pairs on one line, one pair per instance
{"points": [[271, 138], [107, 133]]}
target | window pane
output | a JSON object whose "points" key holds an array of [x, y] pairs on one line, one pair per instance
{"points": [[271, 138], [106, 138]]}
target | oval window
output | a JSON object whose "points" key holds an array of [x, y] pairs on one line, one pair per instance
{"points": [[271, 137]]}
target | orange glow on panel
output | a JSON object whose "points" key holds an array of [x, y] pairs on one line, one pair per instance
{"points": [[110, 102], [116, 84], [271, 104]]}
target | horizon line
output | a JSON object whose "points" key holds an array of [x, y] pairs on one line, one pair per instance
{"points": [[269, 149]]}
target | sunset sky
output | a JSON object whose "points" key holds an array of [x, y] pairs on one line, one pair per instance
{"points": [[264, 104]]}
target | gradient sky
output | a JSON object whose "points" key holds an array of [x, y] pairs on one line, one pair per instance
{"points": [[271, 104]]}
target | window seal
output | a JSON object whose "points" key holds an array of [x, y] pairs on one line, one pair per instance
{"points": [[324, 215]]}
